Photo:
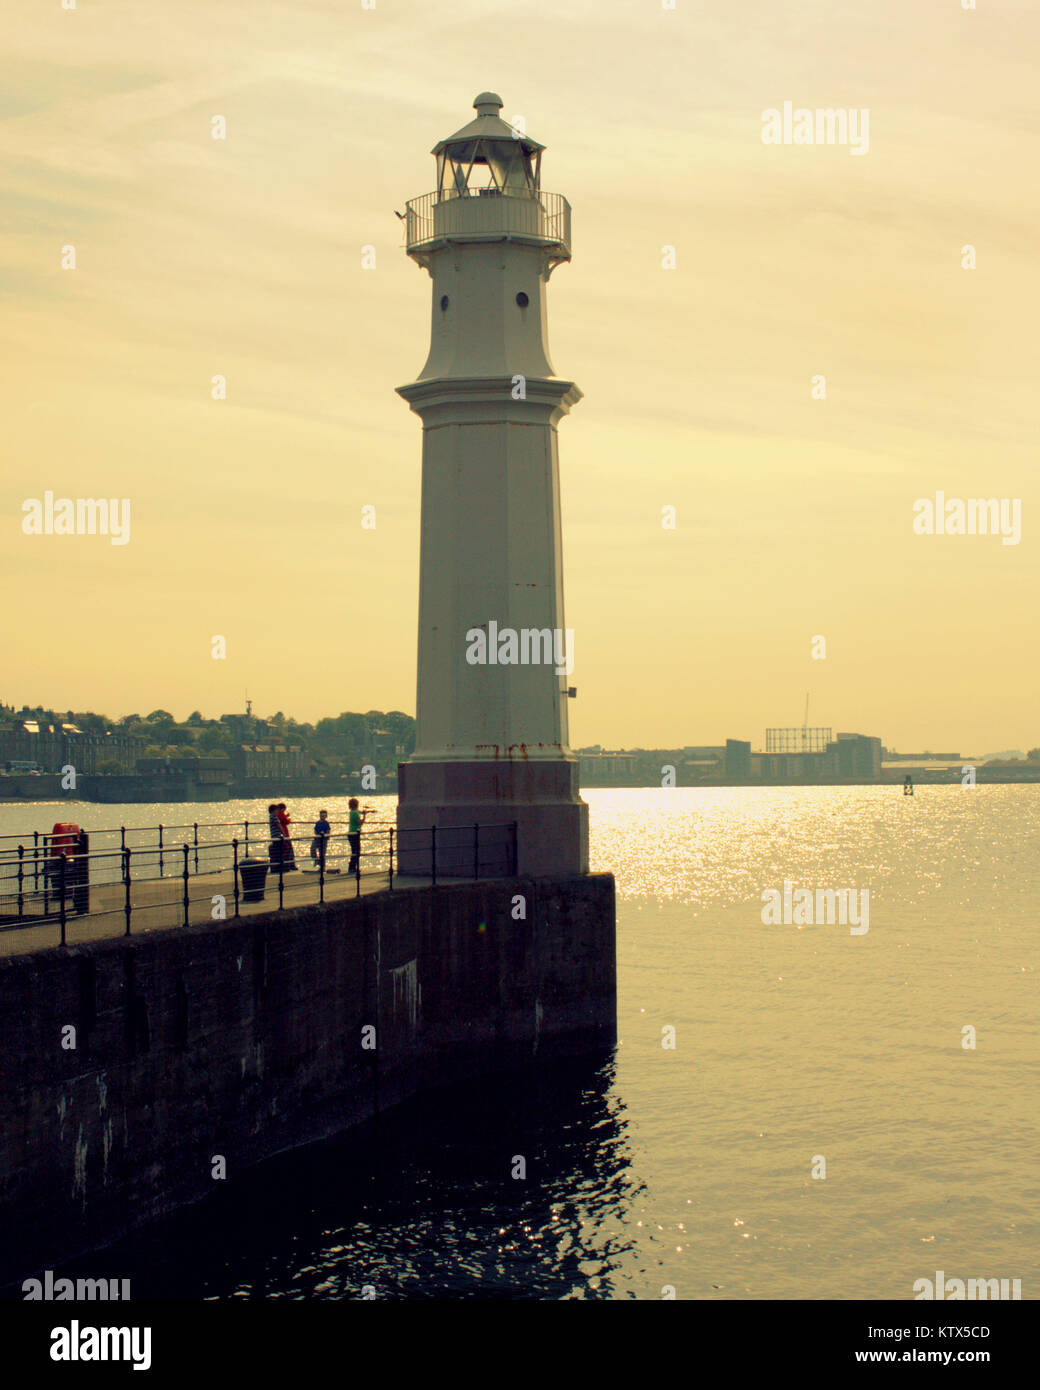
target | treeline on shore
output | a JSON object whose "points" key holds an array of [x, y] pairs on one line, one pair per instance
{"points": [[252, 746]]}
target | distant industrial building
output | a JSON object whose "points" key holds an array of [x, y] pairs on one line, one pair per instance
{"points": [[888, 755], [852, 756], [701, 763], [858, 755], [728, 762], [849, 757], [738, 759], [931, 767]]}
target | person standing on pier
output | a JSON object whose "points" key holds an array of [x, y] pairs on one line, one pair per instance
{"points": [[322, 830], [288, 853], [274, 829], [354, 824]]}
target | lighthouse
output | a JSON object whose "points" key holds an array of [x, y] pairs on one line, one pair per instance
{"points": [[495, 656]]}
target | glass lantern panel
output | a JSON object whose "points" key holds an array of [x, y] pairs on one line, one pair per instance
{"points": [[510, 167], [453, 177]]}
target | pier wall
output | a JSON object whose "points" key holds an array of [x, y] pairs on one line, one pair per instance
{"points": [[240, 1039]]}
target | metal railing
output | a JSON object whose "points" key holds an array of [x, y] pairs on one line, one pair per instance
{"points": [[165, 839], [544, 216], [54, 883]]}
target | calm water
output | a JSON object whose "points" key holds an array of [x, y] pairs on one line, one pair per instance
{"points": [[691, 1166]]}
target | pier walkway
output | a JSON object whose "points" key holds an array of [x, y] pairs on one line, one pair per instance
{"points": [[158, 905], [114, 889]]}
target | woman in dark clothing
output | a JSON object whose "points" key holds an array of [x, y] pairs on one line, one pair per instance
{"points": [[274, 826]]}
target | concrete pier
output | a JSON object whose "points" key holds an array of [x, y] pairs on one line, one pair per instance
{"points": [[134, 1071]]}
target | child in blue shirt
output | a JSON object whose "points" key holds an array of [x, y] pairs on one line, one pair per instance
{"points": [[322, 828]]}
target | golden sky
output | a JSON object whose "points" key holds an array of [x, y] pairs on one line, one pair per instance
{"points": [[243, 257]]}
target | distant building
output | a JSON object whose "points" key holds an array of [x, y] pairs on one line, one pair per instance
{"points": [[738, 759], [942, 765], [268, 760], [205, 772], [382, 744], [849, 756], [55, 746], [702, 762], [604, 768], [889, 756], [858, 755], [821, 766]]}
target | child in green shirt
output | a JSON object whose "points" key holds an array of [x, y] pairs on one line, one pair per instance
{"points": [[354, 824]]}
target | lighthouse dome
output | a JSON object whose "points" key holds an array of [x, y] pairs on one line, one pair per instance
{"points": [[491, 100]]}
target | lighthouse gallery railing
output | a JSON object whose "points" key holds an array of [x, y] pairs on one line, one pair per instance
{"points": [[484, 211]]}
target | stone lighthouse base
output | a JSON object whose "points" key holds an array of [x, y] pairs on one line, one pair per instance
{"points": [[551, 838]]}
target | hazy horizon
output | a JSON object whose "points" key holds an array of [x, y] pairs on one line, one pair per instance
{"points": [[757, 740]]}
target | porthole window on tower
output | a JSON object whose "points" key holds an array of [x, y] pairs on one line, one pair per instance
{"points": [[522, 300], [444, 301]]}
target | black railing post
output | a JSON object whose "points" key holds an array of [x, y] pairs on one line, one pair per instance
{"points": [[196, 847], [61, 913], [81, 876], [281, 871], [247, 839], [321, 869], [391, 881], [21, 867], [185, 885], [433, 855], [126, 880], [235, 844], [160, 852], [46, 875], [122, 841], [476, 850], [36, 863]]}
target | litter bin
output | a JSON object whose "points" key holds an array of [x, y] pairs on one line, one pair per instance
{"points": [[253, 873]]}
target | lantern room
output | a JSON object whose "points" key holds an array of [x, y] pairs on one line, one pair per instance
{"points": [[488, 189], [488, 157]]}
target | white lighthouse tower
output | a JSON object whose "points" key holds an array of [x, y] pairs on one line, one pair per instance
{"points": [[494, 651]]}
